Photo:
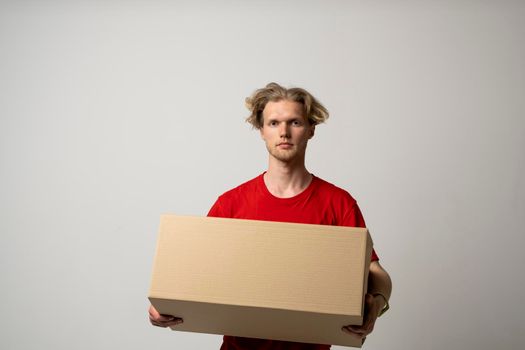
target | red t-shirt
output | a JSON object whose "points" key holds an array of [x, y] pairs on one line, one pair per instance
{"points": [[320, 203]]}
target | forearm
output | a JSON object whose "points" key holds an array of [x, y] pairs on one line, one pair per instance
{"points": [[379, 281]]}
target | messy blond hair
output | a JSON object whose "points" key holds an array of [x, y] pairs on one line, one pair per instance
{"points": [[314, 111]]}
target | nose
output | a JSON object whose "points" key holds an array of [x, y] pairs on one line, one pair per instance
{"points": [[284, 130]]}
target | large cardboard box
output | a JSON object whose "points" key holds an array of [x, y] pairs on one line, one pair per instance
{"points": [[261, 279]]}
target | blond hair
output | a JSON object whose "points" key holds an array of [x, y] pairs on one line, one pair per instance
{"points": [[314, 111]]}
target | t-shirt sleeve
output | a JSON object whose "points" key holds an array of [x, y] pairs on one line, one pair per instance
{"points": [[216, 210], [355, 218]]}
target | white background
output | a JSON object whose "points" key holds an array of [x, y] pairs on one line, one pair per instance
{"points": [[114, 112]]}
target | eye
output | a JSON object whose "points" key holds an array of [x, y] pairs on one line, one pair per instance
{"points": [[272, 123], [297, 122]]}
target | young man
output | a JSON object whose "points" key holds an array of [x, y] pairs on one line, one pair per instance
{"points": [[287, 192]]}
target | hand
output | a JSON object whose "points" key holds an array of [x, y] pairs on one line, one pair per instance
{"points": [[159, 320], [373, 305]]}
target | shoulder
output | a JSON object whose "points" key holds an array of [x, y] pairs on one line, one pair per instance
{"points": [[228, 204], [344, 207], [326, 188], [244, 189]]}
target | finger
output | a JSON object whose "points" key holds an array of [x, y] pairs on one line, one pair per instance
{"points": [[174, 322], [165, 318], [364, 329], [353, 330], [156, 324], [165, 324], [162, 318], [353, 334], [155, 315], [170, 323]]}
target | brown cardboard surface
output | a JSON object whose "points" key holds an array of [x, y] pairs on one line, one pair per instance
{"points": [[261, 279]]}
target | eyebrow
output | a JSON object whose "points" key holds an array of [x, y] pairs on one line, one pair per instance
{"points": [[288, 121]]}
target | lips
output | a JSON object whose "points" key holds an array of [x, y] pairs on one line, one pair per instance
{"points": [[284, 145]]}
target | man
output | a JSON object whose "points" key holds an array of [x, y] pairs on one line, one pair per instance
{"points": [[287, 192]]}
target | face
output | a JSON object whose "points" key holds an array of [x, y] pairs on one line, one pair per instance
{"points": [[285, 130]]}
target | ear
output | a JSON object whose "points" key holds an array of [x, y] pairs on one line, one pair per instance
{"points": [[312, 131]]}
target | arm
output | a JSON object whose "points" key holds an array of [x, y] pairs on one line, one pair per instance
{"points": [[379, 285]]}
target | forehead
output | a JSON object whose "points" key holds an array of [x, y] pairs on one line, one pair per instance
{"points": [[283, 109]]}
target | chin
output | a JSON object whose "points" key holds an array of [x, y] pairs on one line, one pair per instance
{"points": [[282, 155], [287, 158]]}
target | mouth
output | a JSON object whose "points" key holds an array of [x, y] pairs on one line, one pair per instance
{"points": [[284, 145]]}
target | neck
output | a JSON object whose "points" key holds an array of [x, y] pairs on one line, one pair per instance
{"points": [[285, 180]]}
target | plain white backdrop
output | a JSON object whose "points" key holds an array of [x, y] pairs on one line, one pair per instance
{"points": [[114, 112]]}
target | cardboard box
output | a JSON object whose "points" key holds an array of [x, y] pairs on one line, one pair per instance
{"points": [[261, 279]]}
